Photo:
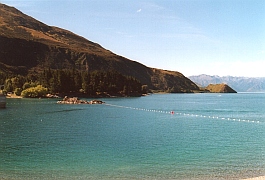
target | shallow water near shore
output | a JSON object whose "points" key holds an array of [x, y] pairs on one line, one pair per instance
{"points": [[161, 136]]}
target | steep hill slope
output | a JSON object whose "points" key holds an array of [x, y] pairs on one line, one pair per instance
{"points": [[28, 46], [240, 84]]}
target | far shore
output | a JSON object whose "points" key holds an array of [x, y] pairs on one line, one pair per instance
{"points": [[60, 96], [256, 178]]}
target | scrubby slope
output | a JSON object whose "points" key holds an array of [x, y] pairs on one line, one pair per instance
{"points": [[28, 46], [220, 88]]}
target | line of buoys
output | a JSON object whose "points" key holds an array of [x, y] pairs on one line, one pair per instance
{"points": [[153, 110], [188, 114]]}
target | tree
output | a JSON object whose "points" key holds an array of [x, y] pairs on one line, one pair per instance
{"points": [[125, 90], [18, 91], [77, 81], [66, 81], [145, 89], [8, 85], [3, 77], [17, 81], [26, 85], [34, 92]]}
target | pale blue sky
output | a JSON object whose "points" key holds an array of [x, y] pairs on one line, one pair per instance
{"points": [[215, 37]]}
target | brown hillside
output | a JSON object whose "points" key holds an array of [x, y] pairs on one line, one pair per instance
{"points": [[220, 88], [28, 46]]}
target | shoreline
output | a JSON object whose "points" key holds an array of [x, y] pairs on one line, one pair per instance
{"points": [[256, 178], [14, 97], [79, 95], [126, 178]]}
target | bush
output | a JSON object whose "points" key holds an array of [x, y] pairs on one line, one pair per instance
{"points": [[35, 92], [4, 92], [26, 85], [18, 91]]}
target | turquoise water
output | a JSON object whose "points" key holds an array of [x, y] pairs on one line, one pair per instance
{"points": [[161, 136]]}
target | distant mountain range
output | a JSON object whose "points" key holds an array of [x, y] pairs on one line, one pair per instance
{"points": [[240, 84], [29, 46]]}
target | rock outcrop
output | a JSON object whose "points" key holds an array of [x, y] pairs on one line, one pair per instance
{"points": [[219, 88], [76, 100]]}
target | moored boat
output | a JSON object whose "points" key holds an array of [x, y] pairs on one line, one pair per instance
{"points": [[2, 101]]}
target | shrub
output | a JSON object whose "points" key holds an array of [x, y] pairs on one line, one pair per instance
{"points": [[18, 91], [35, 92]]}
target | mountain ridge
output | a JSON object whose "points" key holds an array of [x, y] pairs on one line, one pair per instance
{"points": [[240, 84], [28, 45]]}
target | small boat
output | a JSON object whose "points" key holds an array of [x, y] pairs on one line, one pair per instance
{"points": [[2, 101]]}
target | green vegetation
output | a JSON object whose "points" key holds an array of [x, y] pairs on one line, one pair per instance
{"points": [[72, 81], [34, 92]]}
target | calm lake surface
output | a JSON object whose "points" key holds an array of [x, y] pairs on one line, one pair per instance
{"points": [[161, 136]]}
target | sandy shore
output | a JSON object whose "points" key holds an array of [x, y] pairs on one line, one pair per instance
{"points": [[256, 178], [13, 96]]}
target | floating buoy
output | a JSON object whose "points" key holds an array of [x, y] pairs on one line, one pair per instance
{"points": [[187, 114]]}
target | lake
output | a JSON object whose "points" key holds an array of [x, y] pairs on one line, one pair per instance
{"points": [[160, 136]]}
